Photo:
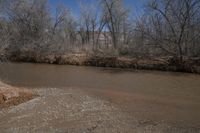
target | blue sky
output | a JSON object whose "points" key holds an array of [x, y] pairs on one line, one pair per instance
{"points": [[134, 5]]}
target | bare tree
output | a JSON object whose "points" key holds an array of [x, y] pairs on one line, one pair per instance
{"points": [[63, 29], [85, 23], [28, 21], [172, 24], [116, 15], [94, 21], [168, 27], [70, 29], [60, 16]]}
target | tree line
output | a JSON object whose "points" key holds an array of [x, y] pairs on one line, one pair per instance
{"points": [[164, 28]]}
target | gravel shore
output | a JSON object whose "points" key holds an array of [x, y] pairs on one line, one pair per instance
{"points": [[72, 110]]}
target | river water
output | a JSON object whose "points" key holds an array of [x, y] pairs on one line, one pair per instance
{"points": [[150, 95]]}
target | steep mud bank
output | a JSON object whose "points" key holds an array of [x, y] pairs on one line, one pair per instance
{"points": [[160, 63], [10, 96]]}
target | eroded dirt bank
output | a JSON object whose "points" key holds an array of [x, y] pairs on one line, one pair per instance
{"points": [[159, 63], [10, 96]]}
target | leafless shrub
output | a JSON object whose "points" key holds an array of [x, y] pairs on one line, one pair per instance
{"points": [[168, 27], [173, 25]]}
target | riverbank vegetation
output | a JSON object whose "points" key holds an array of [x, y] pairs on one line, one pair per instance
{"points": [[164, 36]]}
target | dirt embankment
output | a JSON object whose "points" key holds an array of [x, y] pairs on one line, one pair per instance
{"points": [[10, 96], [160, 63]]}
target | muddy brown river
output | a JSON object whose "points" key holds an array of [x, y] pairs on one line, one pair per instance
{"points": [[147, 95]]}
